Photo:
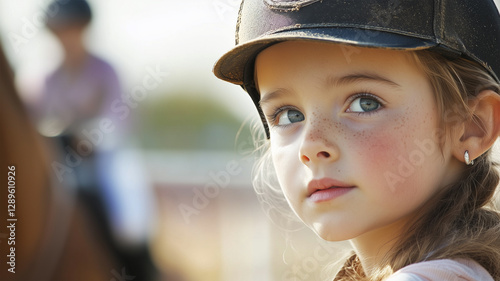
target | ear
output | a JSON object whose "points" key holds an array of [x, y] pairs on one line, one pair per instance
{"points": [[480, 132]]}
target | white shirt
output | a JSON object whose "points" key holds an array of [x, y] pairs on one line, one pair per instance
{"points": [[442, 270]]}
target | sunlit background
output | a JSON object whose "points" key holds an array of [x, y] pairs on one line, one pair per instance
{"points": [[186, 176], [181, 138]]}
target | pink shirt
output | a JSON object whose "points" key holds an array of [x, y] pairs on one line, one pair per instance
{"points": [[75, 97], [442, 270]]}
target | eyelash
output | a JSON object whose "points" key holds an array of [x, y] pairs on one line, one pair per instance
{"points": [[276, 112], [279, 109], [366, 94]]}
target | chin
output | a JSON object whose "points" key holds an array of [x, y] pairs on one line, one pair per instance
{"points": [[332, 234]]}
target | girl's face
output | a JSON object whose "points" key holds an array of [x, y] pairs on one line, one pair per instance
{"points": [[353, 136]]}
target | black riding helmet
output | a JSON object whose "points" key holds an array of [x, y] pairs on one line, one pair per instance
{"points": [[468, 29], [65, 13]]}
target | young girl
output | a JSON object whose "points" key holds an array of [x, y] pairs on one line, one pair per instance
{"points": [[380, 117]]}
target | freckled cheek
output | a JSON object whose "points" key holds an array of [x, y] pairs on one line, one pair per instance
{"points": [[376, 150]]}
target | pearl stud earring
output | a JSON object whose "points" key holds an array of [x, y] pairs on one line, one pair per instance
{"points": [[467, 159]]}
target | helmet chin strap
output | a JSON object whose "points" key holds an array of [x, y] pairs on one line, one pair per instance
{"points": [[250, 88], [254, 94]]}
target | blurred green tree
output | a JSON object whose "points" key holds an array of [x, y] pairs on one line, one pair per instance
{"points": [[188, 122]]}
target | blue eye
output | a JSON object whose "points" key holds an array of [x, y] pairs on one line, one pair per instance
{"points": [[289, 116], [364, 104]]}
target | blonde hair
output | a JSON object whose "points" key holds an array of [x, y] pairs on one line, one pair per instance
{"points": [[460, 221], [267, 187]]}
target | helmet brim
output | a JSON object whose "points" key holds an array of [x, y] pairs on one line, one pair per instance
{"points": [[232, 65]]}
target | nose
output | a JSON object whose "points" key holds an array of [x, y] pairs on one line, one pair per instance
{"points": [[318, 146]]}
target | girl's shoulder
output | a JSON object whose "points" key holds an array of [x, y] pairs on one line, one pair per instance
{"points": [[443, 270]]}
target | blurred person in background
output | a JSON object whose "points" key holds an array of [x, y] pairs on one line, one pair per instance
{"points": [[75, 111]]}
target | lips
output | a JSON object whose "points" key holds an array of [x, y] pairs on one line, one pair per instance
{"points": [[324, 184]]}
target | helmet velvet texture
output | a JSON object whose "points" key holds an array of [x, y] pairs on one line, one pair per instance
{"points": [[456, 28]]}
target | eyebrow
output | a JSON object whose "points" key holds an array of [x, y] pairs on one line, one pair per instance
{"points": [[357, 77], [337, 82], [272, 95]]}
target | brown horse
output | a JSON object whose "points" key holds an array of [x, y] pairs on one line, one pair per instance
{"points": [[50, 236]]}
